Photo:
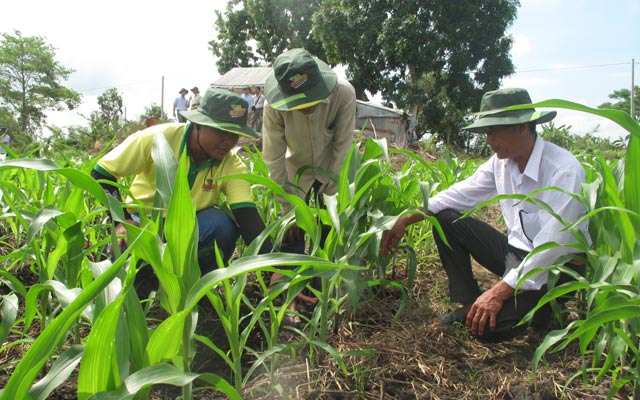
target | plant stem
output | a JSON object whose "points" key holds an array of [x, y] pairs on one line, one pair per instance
{"points": [[187, 392]]}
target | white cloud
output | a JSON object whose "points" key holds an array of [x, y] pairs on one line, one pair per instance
{"points": [[521, 45]]}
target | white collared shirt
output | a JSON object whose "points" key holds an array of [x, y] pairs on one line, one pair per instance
{"points": [[527, 225], [258, 100]]}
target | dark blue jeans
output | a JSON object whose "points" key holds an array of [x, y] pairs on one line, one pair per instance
{"points": [[214, 226]]}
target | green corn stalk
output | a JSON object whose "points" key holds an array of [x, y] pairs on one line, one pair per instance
{"points": [[51, 337], [175, 264]]}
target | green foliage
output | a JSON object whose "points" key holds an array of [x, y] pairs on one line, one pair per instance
{"points": [[109, 116], [274, 26], [623, 101], [30, 80], [583, 144], [54, 213], [435, 56], [153, 115]]}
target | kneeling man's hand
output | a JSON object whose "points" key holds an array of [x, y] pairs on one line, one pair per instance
{"points": [[486, 308]]}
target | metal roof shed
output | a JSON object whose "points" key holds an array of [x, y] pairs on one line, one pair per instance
{"points": [[239, 78], [379, 121]]}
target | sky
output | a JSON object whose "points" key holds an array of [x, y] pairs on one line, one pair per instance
{"points": [[577, 50]]}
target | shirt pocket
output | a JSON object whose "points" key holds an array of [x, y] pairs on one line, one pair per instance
{"points": [[529, 217], [329, 134]]}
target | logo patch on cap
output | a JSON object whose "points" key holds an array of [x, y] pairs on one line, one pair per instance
{"points": [[237, 111], [298, 80]]}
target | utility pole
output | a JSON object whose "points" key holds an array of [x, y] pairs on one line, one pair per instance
{"points": [[162, 99]]}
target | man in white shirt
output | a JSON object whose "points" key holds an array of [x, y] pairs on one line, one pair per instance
{"points": [[523, 163], [257, 107]]}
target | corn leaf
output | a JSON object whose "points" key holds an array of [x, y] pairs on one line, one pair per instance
{"points": [[59, 372], [166, 340], [42, 348], [9, 313], [263, 262], [97, 369], [166, 166], [181, 231], [168, 375]]}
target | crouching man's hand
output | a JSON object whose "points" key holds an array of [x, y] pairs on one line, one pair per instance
{"points": [[392, 237], [483, 313]]}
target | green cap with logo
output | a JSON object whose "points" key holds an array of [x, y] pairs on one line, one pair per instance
{"points": [[298, 80], [222, 109], [501, 98]]}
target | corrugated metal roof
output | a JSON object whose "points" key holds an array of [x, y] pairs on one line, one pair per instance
{"points": [[367, 109], [241, 77]]}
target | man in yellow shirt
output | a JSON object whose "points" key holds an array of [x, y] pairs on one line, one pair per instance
{"points": [[209, 136]]}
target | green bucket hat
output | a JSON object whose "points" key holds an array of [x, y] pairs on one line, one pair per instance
{"points": [[223, 110], [298, 80], [501, 98]]}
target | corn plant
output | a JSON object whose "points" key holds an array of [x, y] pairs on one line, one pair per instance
{"points": [[56, 330], [122, 357], [436, 176]]}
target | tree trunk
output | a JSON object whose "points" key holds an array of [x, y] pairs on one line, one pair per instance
{"points": [[413, 81]]}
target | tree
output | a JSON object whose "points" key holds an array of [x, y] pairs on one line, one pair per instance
{"points": [[272, 26], [434, 58], [110, 113], [153, 112], [429, 56], [30, 80], [106, 122], [623, 97]]}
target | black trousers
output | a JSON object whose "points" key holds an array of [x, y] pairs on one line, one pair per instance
{"points": [[488, 246]]}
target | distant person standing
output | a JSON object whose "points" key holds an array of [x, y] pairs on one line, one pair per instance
{"points": [[257, 108], [246, 96], [5, 139], [194, 103], [181, 104]]}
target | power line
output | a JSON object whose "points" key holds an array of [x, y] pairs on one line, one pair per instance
{"points": [[116, 86], [570, 68]]}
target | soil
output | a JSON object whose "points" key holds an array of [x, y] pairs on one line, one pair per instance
{"points": [[411, 359]]}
